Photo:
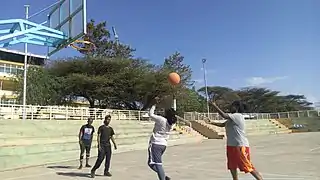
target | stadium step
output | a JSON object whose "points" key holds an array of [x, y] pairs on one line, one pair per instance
{"points": [[39, 142], [21, 156], [205, 130]]}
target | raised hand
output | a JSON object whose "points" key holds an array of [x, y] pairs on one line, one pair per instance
{"points": [[157, 100]]}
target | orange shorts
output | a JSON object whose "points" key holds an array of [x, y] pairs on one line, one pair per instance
{"points": [[239, 157]]}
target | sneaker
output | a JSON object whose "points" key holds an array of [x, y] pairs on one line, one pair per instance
{"points": [[88, 165], [80, 167], [93, 174], [107, 174], [167, 178]]}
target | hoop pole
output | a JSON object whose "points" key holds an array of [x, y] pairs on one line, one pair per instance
{"points": [[44, 9], [205, 84], [24, 113]]}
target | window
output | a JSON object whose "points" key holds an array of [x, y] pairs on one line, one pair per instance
{"points": [[1, 68], [14, 70], [8, 101], [7, 68]]}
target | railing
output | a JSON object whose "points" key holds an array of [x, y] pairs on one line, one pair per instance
{"points": [[183, 122], [8, 111], [215, 116]]}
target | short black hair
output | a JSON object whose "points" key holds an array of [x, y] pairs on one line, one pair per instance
{"points": [[90, 119], [239, 105], [107, 116], [170, 115]]}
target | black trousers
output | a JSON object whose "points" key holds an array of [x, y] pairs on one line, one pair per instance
{"points": [[104, 153], [85, 146]]}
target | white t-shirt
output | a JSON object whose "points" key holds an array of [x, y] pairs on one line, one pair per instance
{"points": [[235, 131], [161, 129]]}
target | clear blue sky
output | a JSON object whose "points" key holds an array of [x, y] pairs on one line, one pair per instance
{"points": [[271, 43]]}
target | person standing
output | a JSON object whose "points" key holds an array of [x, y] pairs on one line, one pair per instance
{"points": [[105, 134], [158, 140], [238, 151], [85, 140]]}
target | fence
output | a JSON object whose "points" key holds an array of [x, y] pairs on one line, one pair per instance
{"points": [[67, 113], [82, 113], [293, 114]]}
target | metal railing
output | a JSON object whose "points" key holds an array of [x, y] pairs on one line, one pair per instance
{"points": [[215, 116], [9, 111]]}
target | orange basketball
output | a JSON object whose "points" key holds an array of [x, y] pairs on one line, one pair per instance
{"points": [[174, 78]]}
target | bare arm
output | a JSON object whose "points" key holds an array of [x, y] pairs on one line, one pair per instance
{"points": [[114, 142], [154, 116], [92, 134], [218, 124], [221, 113], [207, 120], [80, 134], [98, 140]]}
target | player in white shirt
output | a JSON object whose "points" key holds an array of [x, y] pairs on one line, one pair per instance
{"points": [[158, 140]]}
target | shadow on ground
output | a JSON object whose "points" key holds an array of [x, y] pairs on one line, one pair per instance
{"points": [[61, 167], [75, 174]]}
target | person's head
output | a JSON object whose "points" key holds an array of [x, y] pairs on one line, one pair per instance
{"points": [[107, 120], [237, 107], [90, 120], [170, 115]]}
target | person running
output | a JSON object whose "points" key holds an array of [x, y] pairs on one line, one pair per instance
{"points": [[105, 134], [238, 151], [85, 140], [158, 140]]}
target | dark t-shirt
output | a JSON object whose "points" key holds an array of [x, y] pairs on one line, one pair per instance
{"points": [[105, 132], [87, 132]]}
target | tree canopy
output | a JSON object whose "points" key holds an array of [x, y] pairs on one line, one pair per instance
{"points": [[109, 76]]}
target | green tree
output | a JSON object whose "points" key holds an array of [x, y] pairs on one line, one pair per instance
{"points": [[105, 47], [223, 96], [190, 101], [175, 63], [91, 78], [42, 87], [257, 99], [266, 100], [158, 84]]}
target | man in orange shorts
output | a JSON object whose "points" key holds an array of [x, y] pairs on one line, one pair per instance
{"points": [[238, 152]]}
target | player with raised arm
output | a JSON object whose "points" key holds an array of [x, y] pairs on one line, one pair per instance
{"points": [[238, 154], [158, 140]]}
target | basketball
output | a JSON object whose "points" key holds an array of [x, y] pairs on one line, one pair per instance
{"points": [[174, 78]]}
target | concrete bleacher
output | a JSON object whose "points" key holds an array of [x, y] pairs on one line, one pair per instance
{"points": [[304, 124], [36, 142], [253, 127]]}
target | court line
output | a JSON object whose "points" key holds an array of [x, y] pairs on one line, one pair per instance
{"points": [[41, 174], [284, 176], [262, 173], [30, 176], [313, 149]]}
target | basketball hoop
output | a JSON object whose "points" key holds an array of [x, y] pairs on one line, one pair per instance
{"points": [[86, 45]]}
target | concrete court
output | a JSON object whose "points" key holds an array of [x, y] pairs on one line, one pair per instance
{"points": [[278, 157]]}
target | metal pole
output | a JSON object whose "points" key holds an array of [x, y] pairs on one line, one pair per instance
{"points": [[174, 104], [205, 84], [116, 37], [25, 71]]}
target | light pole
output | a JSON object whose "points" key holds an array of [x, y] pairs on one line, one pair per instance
{"points": [[116, 37], [205, 83], [24, 115]]}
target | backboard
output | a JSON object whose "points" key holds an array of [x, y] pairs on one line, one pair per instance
{"points": [[69, 17]]}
